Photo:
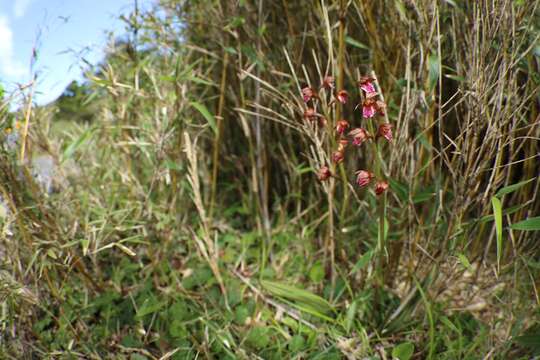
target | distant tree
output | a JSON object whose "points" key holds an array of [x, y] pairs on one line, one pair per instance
{"points": [[71, 104]]}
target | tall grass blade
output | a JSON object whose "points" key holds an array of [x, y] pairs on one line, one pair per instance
{"points": [[497, 213]]}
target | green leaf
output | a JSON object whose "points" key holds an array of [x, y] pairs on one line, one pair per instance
{"points": [[178, 310], [349, 40], [316, 273], [363, 261], [464, 261], [296, 343], [422, 196], [434, 72], [258, 337], [177, 329], [400, 189], [241, 314], [198, 80], [511, 188], [137, 357], [85, 243], [351, 314], [71, 148], [149, 306], [403, 351], [424, 141], [530, 224], [302, 297], [456, 78], [497, 213], [206, 114], [507, 211], [401, 10], [530, 340]]}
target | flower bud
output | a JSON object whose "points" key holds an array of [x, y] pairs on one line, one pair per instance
{"points": [[363, 177], [310, 114], [308, 94], [342, 126], [385, 131], [338, 157], [359, 135], [342, 96], [381, 187], [328, 82], [324, 173], [342, 144]]}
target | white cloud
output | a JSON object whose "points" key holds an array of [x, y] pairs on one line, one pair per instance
{"points": [[20, 7], [9, 66]]}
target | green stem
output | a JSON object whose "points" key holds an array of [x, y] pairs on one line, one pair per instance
{"points": [[217, 139]]}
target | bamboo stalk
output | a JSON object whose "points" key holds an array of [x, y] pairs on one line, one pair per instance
{"points": [[27, 121], [217, 138]]}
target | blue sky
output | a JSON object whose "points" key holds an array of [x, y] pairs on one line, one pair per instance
{"points": [[65, 32]]}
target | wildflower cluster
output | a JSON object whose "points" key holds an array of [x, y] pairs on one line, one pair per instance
{"points": [[371, 105]]}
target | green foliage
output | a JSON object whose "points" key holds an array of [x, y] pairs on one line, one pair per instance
{"points": [[124, 259], [530, 224], [403, 351], [71, 105]]}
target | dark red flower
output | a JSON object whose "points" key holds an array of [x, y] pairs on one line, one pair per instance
{"points": [[324, 173], [328, 82], [322, 121], [342, 96], [366, 84], [368, 108], [342, 126], [308, 94], [385, 131], [310, 114], [371, 107], [359, 135], [363, 177], [338, 157], [381, 187]]}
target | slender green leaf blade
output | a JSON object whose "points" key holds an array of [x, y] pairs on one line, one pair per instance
{"points": [[71, 148], [363, 261], [530, 224], [349, 40], [497, 213], [206, 114], [300, 296], [511, 188]]}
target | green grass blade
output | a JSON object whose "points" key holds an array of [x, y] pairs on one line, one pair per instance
{"points": [[430, 320], [511, 188], [71, 148], [497, 213]]}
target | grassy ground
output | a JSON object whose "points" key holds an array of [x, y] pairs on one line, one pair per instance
{"points": [[187, 220]]}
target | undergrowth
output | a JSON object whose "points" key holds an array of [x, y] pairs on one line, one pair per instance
{"points": [[186, 216]]}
